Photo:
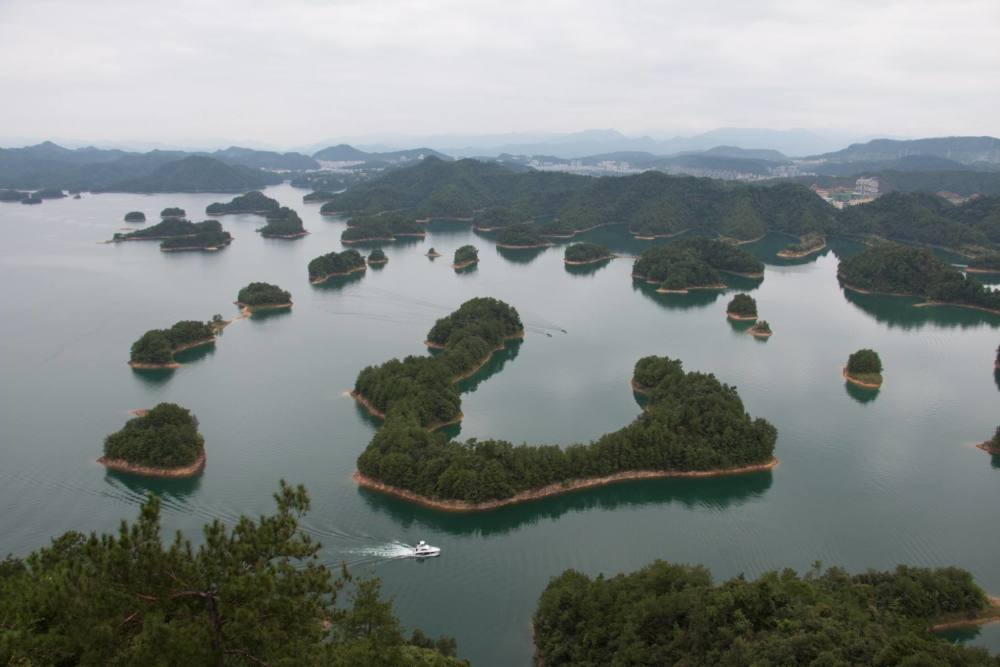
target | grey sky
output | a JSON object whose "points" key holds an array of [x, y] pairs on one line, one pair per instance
{"points": [[297, 71]]}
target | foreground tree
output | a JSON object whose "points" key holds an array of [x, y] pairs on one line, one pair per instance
{"points": [[251, 595]]}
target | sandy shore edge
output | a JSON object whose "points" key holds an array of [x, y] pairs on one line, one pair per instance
{"points": [[853, 380], [149, 471]]}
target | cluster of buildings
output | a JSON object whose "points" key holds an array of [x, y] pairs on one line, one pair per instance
{"points": [[866, 189]]}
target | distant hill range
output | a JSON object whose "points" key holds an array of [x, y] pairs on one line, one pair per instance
{"points": [[969, 151], [345, 153]]}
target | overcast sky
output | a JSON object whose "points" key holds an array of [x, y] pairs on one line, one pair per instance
{"points": [[298, 71]]}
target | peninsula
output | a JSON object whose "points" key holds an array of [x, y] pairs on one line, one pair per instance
{"points": [[864, 369], [252, 202], [335, 263], [809, 244], [579, 254], [693, 426], [262, 296], [742, 308], [162, 442], [465, 256], [156, 348]]}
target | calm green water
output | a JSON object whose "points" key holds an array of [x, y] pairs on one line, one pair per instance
{"points": [[865, 480]]}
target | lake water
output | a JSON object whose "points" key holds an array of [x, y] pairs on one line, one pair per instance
{"points": [[865, 481]]}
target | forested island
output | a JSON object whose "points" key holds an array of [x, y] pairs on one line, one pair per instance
{"points": [[902, 270], [283, 223], [586, 253], [693, 426], [432, 253], [135, 216], [263, 296], [742, 307], [694, 263], [156, 348], [173, 212], [178, 234], [465, 256], [864, 368], [161, 442], [520, 235], [421, 390], [251, 202], [667, 614], [335, 264], [809, 244], [385, 227], [254, 593], [992, 446], [760, 329], [376, 257]]}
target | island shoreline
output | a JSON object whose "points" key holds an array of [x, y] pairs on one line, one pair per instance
{"points": [[860, 383], [151, 471]]}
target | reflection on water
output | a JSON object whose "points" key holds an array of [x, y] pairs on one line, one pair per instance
{"points": [[996, 377], [899, 311], [270, 314], [587, 269], [860, 394], [492, 367], [715, 494], [693, 299], [740, 327], [520, 255], [336, 283], [153, 376], [195, 354], [467, 270], [165, 487]]}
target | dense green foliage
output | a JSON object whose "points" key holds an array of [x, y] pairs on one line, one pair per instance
{"points": [[165, 437], [421, 390], [319, 196], [586, 252], [336, 263], [693, 262], [157, 346], [743, 305], [864, 361], [377, 256], [495, 217], [900, 269], [467, 254], [807, 243], [135, 216], [253, 594], [692, 422], [986, 262], [384, 227], [667, 614], [251, 202], [761, 328], [207, 235], [282, 222], [172, 212], [520, 235], [262, 294]]}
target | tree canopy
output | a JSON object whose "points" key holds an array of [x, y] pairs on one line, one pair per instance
{"points": [[467, 254], [586, 252], [172, 212], [520, 235], [667, 614], [262, 294], [157, 346], [336, 264], [743, 305], [251, 202], [165, 437], [864, 361], [135, 216], [377, 256], [282, 223], [255, 593]]}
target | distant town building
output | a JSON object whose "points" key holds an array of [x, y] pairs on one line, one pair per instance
{"points": [[866, 187]]}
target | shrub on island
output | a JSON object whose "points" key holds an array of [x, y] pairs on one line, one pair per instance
{"points": [[251, 202], [135, 216], [335, 264], [165, 437], [908, 271], [864, 368], [692, 422], [742, 307], [760, 329], [432, 253], [520, 235], [465, 256], [172, 212], [263, 295], [156, 347], [377, 256], [586, 253], [283, 223], [669, 614]]}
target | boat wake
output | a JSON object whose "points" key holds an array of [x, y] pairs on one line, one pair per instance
{"points": [[389, 551]]}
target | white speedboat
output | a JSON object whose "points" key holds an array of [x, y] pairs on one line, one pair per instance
{"points": [[424, 550]]}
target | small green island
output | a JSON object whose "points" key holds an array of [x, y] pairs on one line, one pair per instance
{"points": [[178, 234], [283, 223], [135, 216], [809, 244], [694, 263], [161, 442], [520, 236], [335, 264], [864, 369], [432, 253], [466, 256], [173, 212], [156, 348], [377, 257], [760, 329], [669, 614], [992, 446], [381, 228], [254, 202], [742, 308], [902, 270], [582, 253], [262, 296]]}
